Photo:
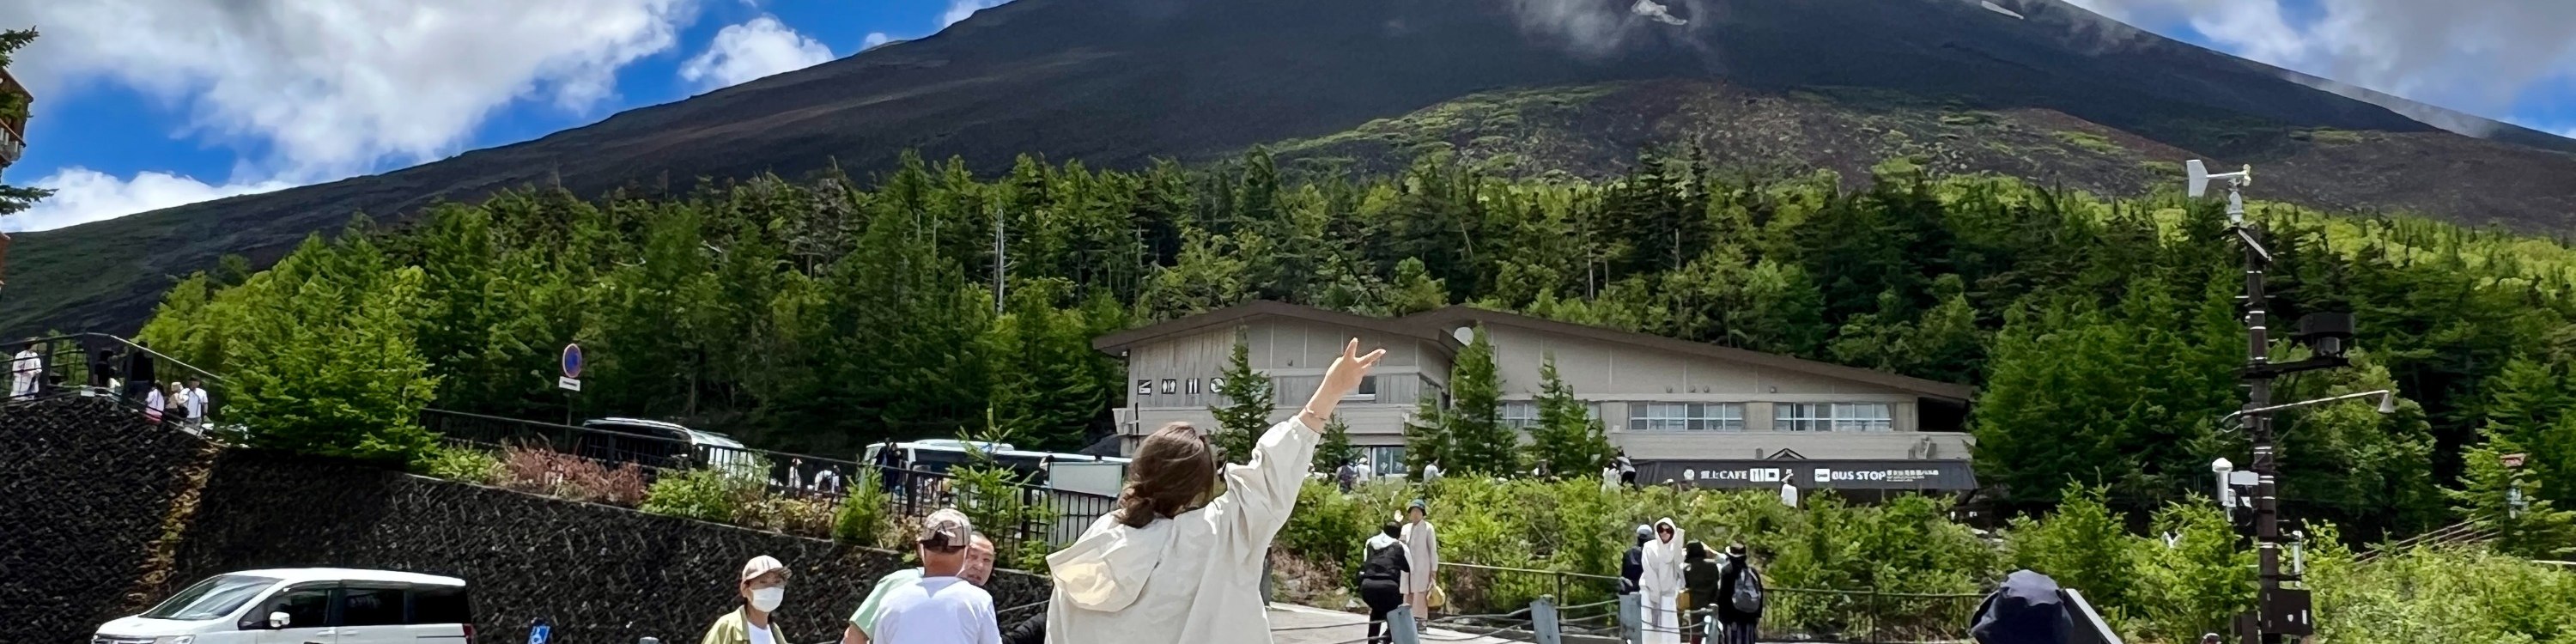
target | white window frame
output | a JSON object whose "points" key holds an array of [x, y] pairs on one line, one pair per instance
{"points": [[1666, 416], [1834, 417]]}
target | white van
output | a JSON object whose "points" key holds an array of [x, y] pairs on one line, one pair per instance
{"points": [[297, 606]]}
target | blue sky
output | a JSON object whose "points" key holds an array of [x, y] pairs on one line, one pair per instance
{"points": [[144, 104]]}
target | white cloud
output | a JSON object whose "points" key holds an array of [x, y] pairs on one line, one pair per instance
{"points": [[82, 195], [752, 50], [2479, 56], [874, 38], [961, 9], [314, 90]]}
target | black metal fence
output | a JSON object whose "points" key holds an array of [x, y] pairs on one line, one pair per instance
{"points": [[908, 492], [101, 365], [1867, 616]]}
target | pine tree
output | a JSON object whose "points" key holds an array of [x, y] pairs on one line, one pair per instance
{"points": [[1479, 442], [13, 198], [2530, 526], [1336, 450], [1245, 413], [1568, 439], [1426, 436]]}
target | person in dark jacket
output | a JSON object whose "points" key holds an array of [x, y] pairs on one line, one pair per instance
{"points": [[1738, 626], [1028, 631], [2024, 610], [138, 371], [1381, 574], [1700, 584], [1633, 564]]}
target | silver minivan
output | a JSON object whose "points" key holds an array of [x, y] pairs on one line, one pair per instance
{"points": [[305, 606]]}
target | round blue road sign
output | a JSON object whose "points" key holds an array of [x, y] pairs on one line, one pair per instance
{"points": [[572, 361]]}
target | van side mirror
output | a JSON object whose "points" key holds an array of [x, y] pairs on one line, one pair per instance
{"points": [[279, 620]]}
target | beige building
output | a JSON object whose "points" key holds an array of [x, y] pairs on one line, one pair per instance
{"points": [[1682, 410]]}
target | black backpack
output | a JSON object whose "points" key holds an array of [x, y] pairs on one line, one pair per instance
{"points": [[1748, 591]]}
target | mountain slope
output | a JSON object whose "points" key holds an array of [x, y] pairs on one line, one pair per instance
{"points": [[1118, 82]]}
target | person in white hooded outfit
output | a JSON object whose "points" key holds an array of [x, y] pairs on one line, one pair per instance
{"points": [[1158, 571], [1660, 585]]}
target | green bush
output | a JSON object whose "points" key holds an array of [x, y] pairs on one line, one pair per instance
{"points": [[460, 464], [703, 494], [991, 498], [863, 519]]}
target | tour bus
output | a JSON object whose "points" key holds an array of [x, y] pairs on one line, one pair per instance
{"points": [[1070, 472]]}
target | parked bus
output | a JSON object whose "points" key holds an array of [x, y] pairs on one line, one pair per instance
{"points": [[1069, 472]]}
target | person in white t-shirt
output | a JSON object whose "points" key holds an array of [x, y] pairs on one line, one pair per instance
{"points": [[977, 570], [942, 608], [194, 400]]}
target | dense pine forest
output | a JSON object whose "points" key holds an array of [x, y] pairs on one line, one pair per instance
{"points": [[820, 315]]}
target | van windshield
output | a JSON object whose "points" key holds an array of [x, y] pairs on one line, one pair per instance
{"points": [[215, 597]]}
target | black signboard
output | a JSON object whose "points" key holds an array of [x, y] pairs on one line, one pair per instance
{"points": [[1814, 474]]}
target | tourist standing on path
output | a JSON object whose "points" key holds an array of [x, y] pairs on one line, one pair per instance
{"points": [[25, 370], [1633, 564], [1422, 550], [194, 400], [1381, 580], [138, 371], [1660, 585], [763, 586], [1164, 570], [1739, 597], [863, 624], [1701, 588], [943, 607]]}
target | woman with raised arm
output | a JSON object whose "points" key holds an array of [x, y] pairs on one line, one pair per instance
{"points": [[1160, 571]]}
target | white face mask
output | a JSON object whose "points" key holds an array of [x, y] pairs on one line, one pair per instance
{"points": [[767, 599]]}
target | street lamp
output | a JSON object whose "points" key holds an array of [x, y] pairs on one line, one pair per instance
{"points": [[2387, 404]]}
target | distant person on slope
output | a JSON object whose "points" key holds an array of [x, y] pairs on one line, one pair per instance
{"points": [[1163, 569], [1660, 585], [763, 587], [25, 370]]}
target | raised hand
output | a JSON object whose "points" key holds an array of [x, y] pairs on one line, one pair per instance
{"points": [[1339, 380]]}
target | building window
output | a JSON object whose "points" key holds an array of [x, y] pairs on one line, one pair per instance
{"points": [[1171, 386], [1384, 461], [1864, 417], [1834, 417], [1520, 414], [1367, 390], [1523, 414], [1145, 387], [1685, 417]]}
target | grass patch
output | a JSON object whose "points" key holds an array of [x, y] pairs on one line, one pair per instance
{"points": [[2089, 141]]}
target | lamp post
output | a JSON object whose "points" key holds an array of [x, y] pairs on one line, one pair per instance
{"points": [[2226, 493]]}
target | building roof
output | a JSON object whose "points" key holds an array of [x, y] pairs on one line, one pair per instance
{"points": [[1434, 326], [1261, 309], [1457, 316]]}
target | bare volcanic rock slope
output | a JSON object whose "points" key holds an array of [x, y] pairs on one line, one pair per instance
{"points": [[1116, 83]]}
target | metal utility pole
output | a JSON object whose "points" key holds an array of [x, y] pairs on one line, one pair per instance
{"points": [[2281, 613]]}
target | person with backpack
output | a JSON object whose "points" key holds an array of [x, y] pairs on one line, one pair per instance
{"points": [[1739, 598]]}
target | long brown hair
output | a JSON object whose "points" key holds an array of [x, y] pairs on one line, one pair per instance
{"points": [[1173, 469]]}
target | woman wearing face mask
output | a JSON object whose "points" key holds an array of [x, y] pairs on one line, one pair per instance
{"points": [[763, 585], [1660, 584], [1158, 571]]}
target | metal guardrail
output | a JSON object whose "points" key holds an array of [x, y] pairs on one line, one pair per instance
{"points": [[910, 493], [2464, 532], [1589, 606]]}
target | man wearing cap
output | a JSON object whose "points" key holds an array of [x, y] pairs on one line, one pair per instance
{"points": [[763, 584], [977, 570], [941, 608]]}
